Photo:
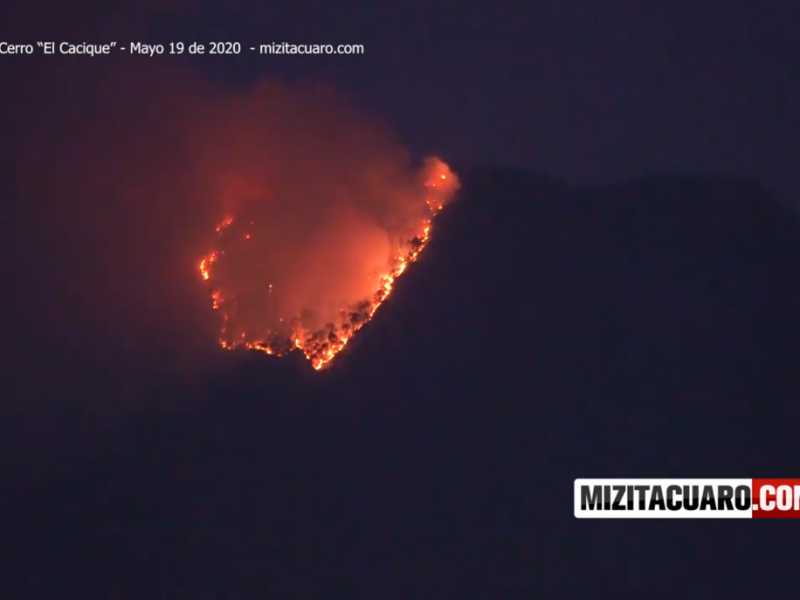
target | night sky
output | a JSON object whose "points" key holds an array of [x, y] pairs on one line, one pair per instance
{"points": [[647, 328], [593, 93]]}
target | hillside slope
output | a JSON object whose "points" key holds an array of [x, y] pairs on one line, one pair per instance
{"points": [[648, 329]]}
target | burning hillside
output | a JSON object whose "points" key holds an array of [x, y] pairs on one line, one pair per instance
{"points": [[277, 311], [117, 190]]}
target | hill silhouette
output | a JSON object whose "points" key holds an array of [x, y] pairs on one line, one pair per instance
{"points": [[646, 329]]}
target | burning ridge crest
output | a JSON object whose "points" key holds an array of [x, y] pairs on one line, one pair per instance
{"points": [[280, 332]]}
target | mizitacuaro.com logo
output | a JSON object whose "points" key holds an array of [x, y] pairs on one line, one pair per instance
{"points": [[687, 498]]}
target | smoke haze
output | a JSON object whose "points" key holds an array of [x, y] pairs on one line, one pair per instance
{"points": [[319, 202], [119, 178]]}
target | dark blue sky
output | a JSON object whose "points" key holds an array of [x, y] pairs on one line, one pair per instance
{"points": [[591, 91]]}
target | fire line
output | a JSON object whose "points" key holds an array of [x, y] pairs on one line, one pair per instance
{"points": [[320, 346]]}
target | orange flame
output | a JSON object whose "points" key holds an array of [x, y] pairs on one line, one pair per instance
{"points": [[322, 345]]}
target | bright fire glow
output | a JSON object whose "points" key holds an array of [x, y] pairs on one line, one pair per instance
{"points": [[321, 345]]}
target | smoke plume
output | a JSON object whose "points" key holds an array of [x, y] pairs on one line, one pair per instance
{"points": [[120, 178], [321, 207]]}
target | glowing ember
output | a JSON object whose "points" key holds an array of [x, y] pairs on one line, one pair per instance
{"points": [[321, 345]]}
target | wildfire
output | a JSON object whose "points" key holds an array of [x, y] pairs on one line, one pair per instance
{"points": [[321, 345]]}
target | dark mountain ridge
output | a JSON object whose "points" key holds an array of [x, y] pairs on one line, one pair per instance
{"points": [[647, 329]]}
